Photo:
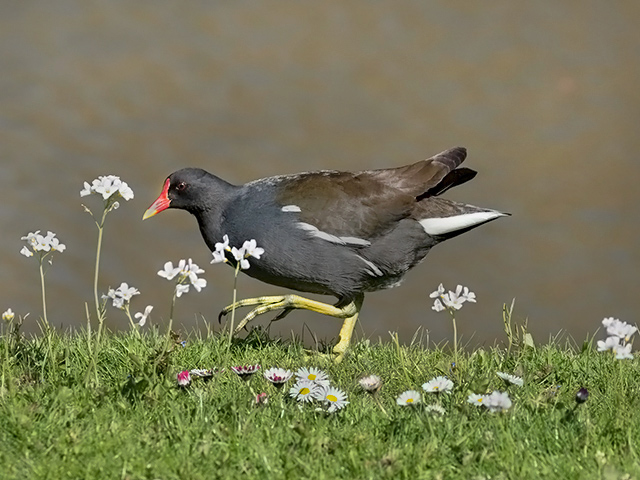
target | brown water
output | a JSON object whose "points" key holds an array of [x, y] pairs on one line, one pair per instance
{"points": [[545, 95]]}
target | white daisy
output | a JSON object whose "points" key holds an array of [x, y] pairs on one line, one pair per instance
{"points": [[497, 401], [438, 385], [314, 375], [335, 398], [304, 390], [410, 397], [371, 383], [476, 399], [511, 378]]}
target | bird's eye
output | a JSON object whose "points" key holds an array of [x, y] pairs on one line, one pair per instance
{"points": [[181, 186]]}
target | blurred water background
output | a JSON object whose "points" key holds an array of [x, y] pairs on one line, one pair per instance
{"points": [[545, 96]]}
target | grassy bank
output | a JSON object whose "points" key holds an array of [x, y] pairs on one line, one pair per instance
{"points": [[62, 416]]}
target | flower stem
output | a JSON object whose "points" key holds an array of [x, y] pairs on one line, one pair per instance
{"points": [[134, 327], [233, 309], [44, 297], [455, 337], [96, 273]]}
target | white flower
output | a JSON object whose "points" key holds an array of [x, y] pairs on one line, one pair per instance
{"points": [[608, 344], [314, 375], [218, 256], [169, 272], [451, 300], [435, 409], [224, 245], [438, 384], [619, 329], [107, 186], [278, 376], [31, 238], [410, 397], [623, 352], [199, 284], [438, 293], [475, 399], [8, 315], [371, 383], [251, 249], [333, 397], [41, 243], [125, 191], [121, 295], [497, 401], [180, 289], [304, 390], [143, 316], [86, 190], [511, 378], [437, 305]]}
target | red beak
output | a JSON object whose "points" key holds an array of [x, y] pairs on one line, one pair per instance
{"points": [[161, 203]]}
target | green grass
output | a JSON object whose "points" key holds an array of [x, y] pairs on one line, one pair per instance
{"points": [[126, 418]]}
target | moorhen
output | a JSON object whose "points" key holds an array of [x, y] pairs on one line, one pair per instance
{"points": [[329, 232]]}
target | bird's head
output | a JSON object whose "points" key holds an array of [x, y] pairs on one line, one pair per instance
{"points": [[189, 189]]}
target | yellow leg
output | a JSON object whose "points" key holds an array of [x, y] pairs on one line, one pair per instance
{"points": [[289, 302], [347, 331]]}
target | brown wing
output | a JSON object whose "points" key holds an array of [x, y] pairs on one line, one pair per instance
{"points": [[365, 204]]}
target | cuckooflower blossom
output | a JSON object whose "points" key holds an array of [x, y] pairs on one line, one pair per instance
{"points": [[121, 295], [107, 186], [143, 316], [619, 329], [511, 378], [608, 344], [184, 270], [623, 352], [8, 315], [451, 300], [438, 385], [42, 243]]}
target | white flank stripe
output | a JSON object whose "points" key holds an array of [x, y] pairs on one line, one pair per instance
{"points": [[441, 226], [332, 238], [375, 271], [291, 208]]}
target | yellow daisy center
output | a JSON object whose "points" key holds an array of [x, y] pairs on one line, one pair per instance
{"points": [[332, 398], [304, 391], [410, 400], [312, 376]]}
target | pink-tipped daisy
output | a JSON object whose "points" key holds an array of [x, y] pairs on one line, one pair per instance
{"points": [[314, 375], [278, 376], [184, 378], [245, 371]]}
